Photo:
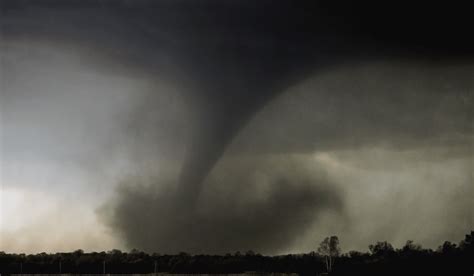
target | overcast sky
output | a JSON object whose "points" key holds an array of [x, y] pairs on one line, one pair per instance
{"points": [[210, 129]]}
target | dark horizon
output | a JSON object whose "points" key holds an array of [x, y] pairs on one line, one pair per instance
{"points": [[411, 259], [465, 241]]}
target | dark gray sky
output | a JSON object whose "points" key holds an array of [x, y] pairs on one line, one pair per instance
{"points": [[175, 126]]}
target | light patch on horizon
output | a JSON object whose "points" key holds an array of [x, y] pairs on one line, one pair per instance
{"points": [[68, 137], [57, 163], [35, 221]]}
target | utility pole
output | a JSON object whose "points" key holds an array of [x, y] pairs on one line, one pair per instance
{"points": [[60, 267], [156, 265], [103, 267]]}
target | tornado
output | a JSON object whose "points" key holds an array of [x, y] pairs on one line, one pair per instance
{"points": [[233, 57]]}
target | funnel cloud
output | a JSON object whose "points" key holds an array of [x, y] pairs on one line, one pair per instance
{"points": [[258, 205]]}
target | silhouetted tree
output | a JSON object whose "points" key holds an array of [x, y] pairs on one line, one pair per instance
{"points": [[330, 249], [468, 242], [447, 248], [381, 248], [383, 259], [410, 246]]}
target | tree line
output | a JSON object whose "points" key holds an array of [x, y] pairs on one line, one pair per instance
{"points": [[381, 259]]}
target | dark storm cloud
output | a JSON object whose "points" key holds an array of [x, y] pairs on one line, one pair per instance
{"points": [[236, 55], [397, 104], [232, 58]]}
